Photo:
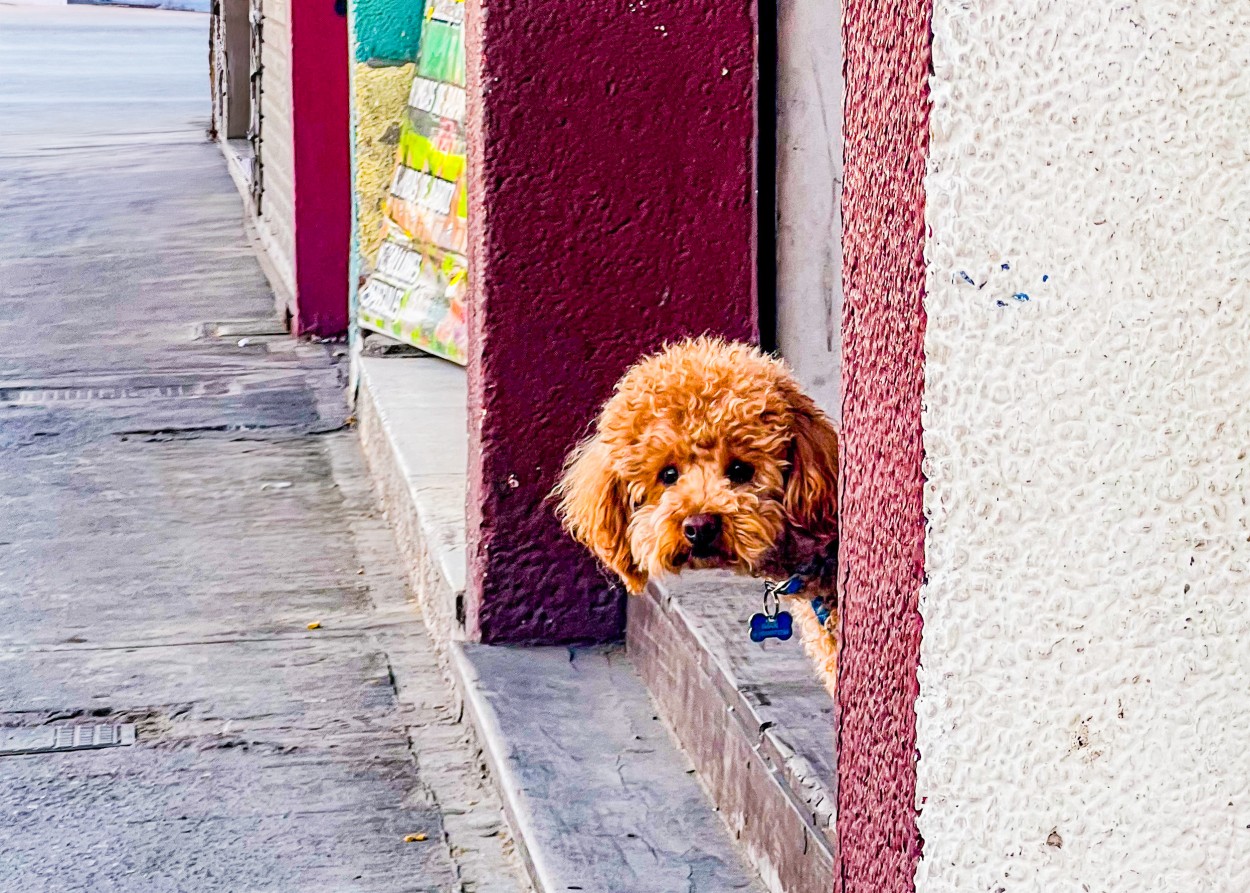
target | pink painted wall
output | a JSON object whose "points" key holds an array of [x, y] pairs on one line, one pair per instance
{"points": [[886, 144], [612, 166], [323, 215]]}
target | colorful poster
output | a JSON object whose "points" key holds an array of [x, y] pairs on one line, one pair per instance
{"points": [[418, 288]]}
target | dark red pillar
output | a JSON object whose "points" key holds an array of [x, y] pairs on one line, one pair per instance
{"points": [[323, 182], [612, 171], [887, 50]]}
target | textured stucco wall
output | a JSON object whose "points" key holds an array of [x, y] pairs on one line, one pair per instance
{"points": [[611, 172], [1082, 720], [886, 46], [379, 96]]}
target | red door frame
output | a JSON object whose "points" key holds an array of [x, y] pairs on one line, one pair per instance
{"points": [[322, 174]]}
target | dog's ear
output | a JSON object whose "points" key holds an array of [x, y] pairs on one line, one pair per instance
{"points": [[811, 497], [594, 510]]}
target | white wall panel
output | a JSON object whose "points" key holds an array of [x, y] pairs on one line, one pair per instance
{"points": [[1085, 685]]}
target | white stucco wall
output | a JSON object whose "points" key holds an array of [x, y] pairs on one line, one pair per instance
{"points": [[1084, 714]]}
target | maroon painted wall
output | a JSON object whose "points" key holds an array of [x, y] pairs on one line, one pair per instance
{"points": [[611, 182], [887, 55], [323, 208]]}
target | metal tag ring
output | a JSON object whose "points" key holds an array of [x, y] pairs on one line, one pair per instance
{"points": [[772, 604]]}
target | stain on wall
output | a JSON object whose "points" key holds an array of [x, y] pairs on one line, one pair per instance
{"points": [[1082, 715], [886, 46]]}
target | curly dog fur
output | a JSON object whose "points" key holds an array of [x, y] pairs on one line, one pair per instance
{"points": [[708, 455]]}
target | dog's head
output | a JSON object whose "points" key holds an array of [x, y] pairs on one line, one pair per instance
{"points": [[706, 454]]}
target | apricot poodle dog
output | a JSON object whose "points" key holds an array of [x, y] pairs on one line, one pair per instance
{"points": [[708, 455]]}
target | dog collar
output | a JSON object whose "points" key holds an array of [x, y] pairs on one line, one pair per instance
{"points": [[796, 583], [774, 623]]}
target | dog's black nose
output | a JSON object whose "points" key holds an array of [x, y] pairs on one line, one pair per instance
{"points": [[701, 531]]}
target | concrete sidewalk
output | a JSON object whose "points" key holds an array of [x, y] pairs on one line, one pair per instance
{"points": [[175, 511]]}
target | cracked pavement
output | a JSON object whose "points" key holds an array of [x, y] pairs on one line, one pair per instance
{"points": [[175, 510]]}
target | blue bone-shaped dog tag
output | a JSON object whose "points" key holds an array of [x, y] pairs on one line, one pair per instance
{"points": [[780, 627]]}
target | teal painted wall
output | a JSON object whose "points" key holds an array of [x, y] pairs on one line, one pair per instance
{"points": [[385, 30]]}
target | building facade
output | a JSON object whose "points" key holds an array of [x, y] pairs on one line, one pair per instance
{"points": [[1004, 244], [1042, 241], [280, 110]]}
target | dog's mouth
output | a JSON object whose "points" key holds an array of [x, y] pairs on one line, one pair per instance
{"points": [[700, 556]]}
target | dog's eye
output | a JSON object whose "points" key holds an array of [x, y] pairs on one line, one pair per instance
{"points": [[669, 475], [740, 472]]}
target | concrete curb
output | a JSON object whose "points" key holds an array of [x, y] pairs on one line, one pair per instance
{"points": [[614, 811], [746, 724], [421, 491]]}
